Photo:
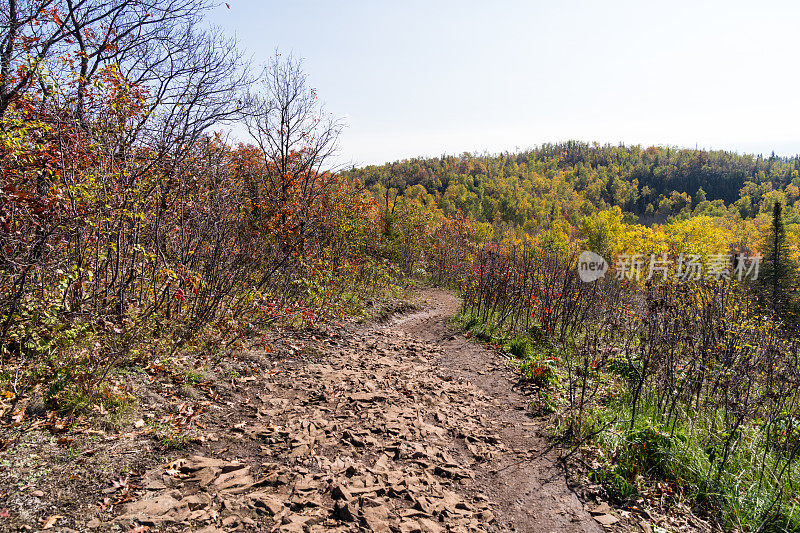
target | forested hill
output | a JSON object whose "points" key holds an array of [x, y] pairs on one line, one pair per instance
{"points": [[528, 190]]}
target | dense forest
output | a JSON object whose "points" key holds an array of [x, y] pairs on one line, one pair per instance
{"points": [[531, 189]]}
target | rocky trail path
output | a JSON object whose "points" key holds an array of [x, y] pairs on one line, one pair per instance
{"points": [[404, 426]]}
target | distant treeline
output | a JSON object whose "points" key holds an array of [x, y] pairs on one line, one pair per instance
{"points": [[528, 190]]}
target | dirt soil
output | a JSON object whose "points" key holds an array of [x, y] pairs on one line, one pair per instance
{"points": [[403, 425]]}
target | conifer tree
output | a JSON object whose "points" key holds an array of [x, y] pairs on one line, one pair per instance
{"points": [[778, 277]]}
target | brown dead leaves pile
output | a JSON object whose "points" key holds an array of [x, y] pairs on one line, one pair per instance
{"points": [[368, 438]]}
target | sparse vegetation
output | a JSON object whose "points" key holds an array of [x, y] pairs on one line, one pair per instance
{"points": [[686, 387]]}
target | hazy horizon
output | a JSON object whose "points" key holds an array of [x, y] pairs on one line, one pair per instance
{"points": [[422, 80]]}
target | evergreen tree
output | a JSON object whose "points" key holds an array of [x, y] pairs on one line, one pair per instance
{"points": [[778, 277], [699, 196]]}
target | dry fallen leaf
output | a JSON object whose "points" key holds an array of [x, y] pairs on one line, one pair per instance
{"points": [[60, 424], [17, 417], [51, 521], [176, 464], [121, 484], [607, 519]]}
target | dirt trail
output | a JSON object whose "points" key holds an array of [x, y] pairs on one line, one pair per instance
{"points": [[405, 426], [525, 482]]}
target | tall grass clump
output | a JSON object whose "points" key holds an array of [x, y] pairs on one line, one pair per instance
{"points": [[710, 403]]}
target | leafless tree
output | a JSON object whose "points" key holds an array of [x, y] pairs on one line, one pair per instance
{"points": [[155, 43], [117, 31], [297, 138]]}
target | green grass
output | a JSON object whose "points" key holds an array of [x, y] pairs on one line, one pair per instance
{"points": [[687, 456], [519, 348], [535, 356], [193, 377], [168, 438]]}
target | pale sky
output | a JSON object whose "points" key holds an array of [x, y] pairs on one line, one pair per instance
{"points": [[423, 78]]}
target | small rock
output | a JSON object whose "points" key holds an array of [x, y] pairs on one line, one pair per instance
{"points": [[271, 504], [340, 492], [427, 525], [230, 521], [606, 519], [344, 511], [603, 508]]}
